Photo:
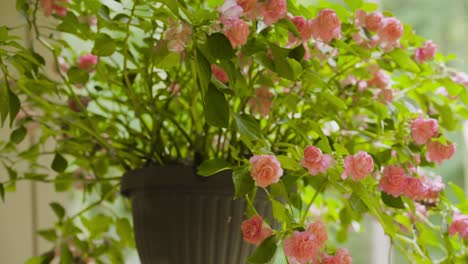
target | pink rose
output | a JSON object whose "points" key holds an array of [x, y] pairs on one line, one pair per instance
{"points": [[238, 33], [393, 181], [374, 21], [303, 26], [360, 18], [426, 52], [320, 232], [219, 73], [314, 161], [273, 10], [380, 80], [423, 130], [437, 152], [414, 189], [342, 256], [266, 170], [301, 247], [460, 78], [385, 95], [358, 166], [326, 26], [247, 5], [54, 6], [230, 11], [459, 226], [391, 30], [253, 230], [87, 62], [178, 35], [262, 102]]}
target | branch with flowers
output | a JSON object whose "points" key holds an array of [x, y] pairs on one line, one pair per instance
{"points": [[324, 106]]}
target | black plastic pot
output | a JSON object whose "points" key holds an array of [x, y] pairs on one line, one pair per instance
{"points": [[181, 218]]}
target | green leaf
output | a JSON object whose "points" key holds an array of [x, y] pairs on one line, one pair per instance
{"points": [[4, 104], [278, 190], [219, 46], [213, 166], [285, 67], [403, 60], [354, 4], [392, 201], [98, 224], [2, 192], [59, 164], [334, 100], [265, 252], [48, 234], [44, 259], [280, 212], [243, 182], [77, 75], [18, 135], [66, 257], [171, 4], [14, 106], [216, 108], [288, 163], [104, 45], [357, 204], [248, 128], [125, 232], [461, 196], [58, 210], [203, 69]]}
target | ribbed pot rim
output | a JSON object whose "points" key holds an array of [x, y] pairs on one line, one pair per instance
{"points": [[175, 178]]}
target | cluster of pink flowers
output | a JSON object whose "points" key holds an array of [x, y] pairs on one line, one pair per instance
{"points": [[358, 166], [315, 161], [253, 230], [304, 247], [396, 182], [459, 226], [325, 27], [57, 7], [342, 256], [388, 30], [178, 35], [266, 170]]}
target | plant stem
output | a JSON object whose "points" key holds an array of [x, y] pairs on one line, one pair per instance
{"points": [[306, 212]]}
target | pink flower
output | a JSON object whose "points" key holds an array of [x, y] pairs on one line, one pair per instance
{"points": [[386, 95], [423, 130], [54, 6], [460, 78], [262, 102], [219, 73], [79, 107], [326, 26], [426, 52], [315, 161], [358, 166], [247, 5], [348, 81], [439, 152], [342, 256], [301, 247], [253, 230], [393, 181], [380, 80], [230, 11], [273, 10], [391, 30], [360, 18], [237, 33], [414, 189], [421, 212], [433, 189], [87, 62], [320, 231], [303, 26], [178, 35], [459, 226], [374, 21], [266, 170], [63, 64]]}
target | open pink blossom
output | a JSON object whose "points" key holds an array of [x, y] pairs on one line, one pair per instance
{"points": [[459, 226], [219, 73], [237, 33], [87, 62], [380, 79], [374, 21], [303, 26], [358, 166], [433, 188], [415, 189], [393, 181], [385, 95], [247, 5], [360, 16], [315, 161], [390, 31], [230, 11], [273, 10], [178, 35], [266, 170], [262, 101], [326, 26], [342, 256], [460, 78], [301, 247], [54, 6], [426, 52], [253, 230], [438, 152], [320, 232], [422, 130]]}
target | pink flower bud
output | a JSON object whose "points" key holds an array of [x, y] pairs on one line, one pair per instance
{"points": [[87, 62]]}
